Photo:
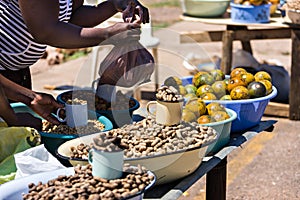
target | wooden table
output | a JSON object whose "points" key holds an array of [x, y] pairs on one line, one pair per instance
{"points": [[215, 168], [276, 29]]}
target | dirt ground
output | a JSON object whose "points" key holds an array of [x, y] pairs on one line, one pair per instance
{"points": [[164, 14]]}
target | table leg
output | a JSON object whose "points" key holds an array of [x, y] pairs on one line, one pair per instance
{"points": [[226, 61], [294, 97], [216, 182], [246, 45]]}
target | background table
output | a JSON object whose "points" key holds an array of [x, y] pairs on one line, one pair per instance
{"points": [[276, 29], [215, 168]]}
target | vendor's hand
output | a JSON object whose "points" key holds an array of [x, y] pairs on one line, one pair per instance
{"points": [[44, 104], [130, 8], [28, 120], [123, 32]]}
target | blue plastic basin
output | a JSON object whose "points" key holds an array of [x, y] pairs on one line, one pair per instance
{"points": [[250, 13], [249, 111]]}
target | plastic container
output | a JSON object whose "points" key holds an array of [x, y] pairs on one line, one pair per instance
{"points": [[249, 111], [53, 140], [166, 167], [14, 190], [204, 8], [117, 117], [250, 13], [223, 129]]}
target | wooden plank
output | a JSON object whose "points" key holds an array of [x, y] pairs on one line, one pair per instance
{"points": [[294, 97], [242, 35], [227, 51], [275, 22], [201, 36], [262, 34], [219, 172], [277, 109]]}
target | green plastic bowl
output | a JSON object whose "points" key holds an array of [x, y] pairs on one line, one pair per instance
{"points": [[204, 8], [52, 141], [223, 129]]}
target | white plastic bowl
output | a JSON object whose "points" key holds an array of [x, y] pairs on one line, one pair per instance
{"points": [[166, 167], [204, 8], [13, 190]]}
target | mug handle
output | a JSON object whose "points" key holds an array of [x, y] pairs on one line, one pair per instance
{"points": [[90, 157], [94, 84], [148, 108], [57, 115]]}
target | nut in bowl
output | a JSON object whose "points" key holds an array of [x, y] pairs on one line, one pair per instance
{"points": [[71, 180], [118, 112], [161, 149]]}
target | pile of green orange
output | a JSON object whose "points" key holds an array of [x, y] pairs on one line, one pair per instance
{"points": [[196, 110], [240, 85]]}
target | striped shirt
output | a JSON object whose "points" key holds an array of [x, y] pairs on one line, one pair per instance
{"points": [[18, 48]]}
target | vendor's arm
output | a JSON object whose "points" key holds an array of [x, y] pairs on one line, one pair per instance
{"points": [[16, 119], [42, 104], [41, 18]]}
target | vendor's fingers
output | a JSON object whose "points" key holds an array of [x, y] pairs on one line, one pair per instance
{"points": [[51, 119], [131, 26], [128, 13], [143, 13]]}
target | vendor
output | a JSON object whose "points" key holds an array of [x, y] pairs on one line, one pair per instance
{"points": [[43, 104], [28, 26]]}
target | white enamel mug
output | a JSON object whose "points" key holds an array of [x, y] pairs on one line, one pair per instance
{"points": [[166, 112], [108, 165], [76, 115]]}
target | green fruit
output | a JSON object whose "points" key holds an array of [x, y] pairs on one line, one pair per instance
{"points": [[208, 96], [239, 92], [234, 82], [268, 85], [205, 119], [247, 78], [190, 96], [188, 116], [192, 105], [262, 75], [196, 78], [182, 90], [257, 89], [220, 115], [203, 79], [201, 107], [226, 98], [173, 81], [217, 74], [226, 81], [204, 89], [237, 72], [213, 107], [190, 89], [219, 88]]}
